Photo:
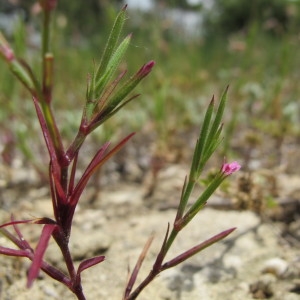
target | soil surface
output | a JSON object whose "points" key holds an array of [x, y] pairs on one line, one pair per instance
{"points": [[259, 260]]}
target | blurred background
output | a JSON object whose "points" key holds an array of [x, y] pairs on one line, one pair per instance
{"points": [[200, 47]]}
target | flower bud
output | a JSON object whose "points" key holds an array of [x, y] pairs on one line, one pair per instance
{"points": [[145, 69]]}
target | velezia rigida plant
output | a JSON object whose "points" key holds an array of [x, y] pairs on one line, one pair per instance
{"points": [[106, 94]]}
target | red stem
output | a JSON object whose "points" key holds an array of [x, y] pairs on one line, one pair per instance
{"points": [[146, 281]]}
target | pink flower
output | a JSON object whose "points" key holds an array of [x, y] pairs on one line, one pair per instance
{"points": [[228, 169]]}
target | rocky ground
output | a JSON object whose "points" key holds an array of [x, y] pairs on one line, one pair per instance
{"points": [[259, 260]]}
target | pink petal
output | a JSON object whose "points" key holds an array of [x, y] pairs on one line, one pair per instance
{"points": [[229, 168]]}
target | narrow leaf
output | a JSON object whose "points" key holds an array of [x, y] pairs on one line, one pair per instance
{"points": [[201, 201], [47, 137], [195, 161], [59, 190], [182, 203], [108, 91], [72, 175], [24, 244], [44, 221], [219, 114], [96, 162], [12, 238], [90, 97], [137, 267], [204, 138], [185, 195], [131, 83], [39, 253], [90, 86], [184, 256], [111, 43], [16, 222], [161, 255], [112, 65], [38, 89], [13, 252], [87, 263], [54, 199], [107, 114], [88, 173], [21, 73]]}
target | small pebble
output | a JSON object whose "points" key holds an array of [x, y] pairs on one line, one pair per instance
{"points": [[275, 266]]}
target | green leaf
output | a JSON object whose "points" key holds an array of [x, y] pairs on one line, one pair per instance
{"points": [[201, 143], [219, 114], [131, 83], [21, 73], [108, 114], [201, 201], [111, 43], [112, 56], [213, 145], [210, 134], [112, 65]]}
